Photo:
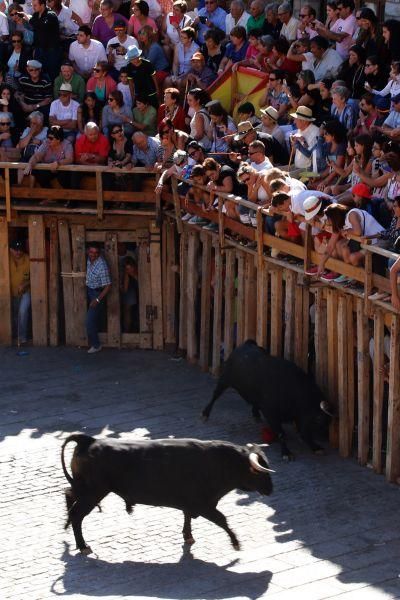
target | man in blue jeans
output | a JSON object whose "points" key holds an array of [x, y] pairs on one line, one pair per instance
{"points": [[20, 290], [98, 284]]}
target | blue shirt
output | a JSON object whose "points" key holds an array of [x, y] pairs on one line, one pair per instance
{"points": [[97, 273], [236, 55], [148, 157], [217, 18], [393, 119]]}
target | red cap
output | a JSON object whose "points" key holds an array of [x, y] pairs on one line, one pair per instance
{"points": [[361, 189]]}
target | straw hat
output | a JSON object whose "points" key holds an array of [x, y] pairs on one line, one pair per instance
{"points": [[311, 206], [303, 112]]}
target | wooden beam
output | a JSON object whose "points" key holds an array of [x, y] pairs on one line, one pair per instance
{"points": [[217, 317], [250, 307], [183, 272], [54, 285], [298, 325], [262, 303], [39, 296], [191, 291], [68, 290], [78, 260], [344, 435], [113, 296], [393, 437], [170, 288], [379, 334], [331, 308], [290, 286], [276, 312], [5, 291], [99, 196], [241, 297], [320, 340], [351, 368], [363, 390], [306, 328], [8, 193], [230, 302], [205, 307], [156, 286]]}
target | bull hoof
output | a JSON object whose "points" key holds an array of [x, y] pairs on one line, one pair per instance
{"points": [[236, 545], [86, 551], [189, 541]]}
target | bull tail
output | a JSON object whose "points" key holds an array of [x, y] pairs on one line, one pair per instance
{"points": [[83, 442]]}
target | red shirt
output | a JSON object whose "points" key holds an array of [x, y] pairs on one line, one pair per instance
{"points": [[101, 146]]}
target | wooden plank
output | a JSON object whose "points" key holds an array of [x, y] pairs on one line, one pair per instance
{"points": [[306, 329], [183, 243], [363, 374], [144, 281], [8, 193], [113, 296], [170, 287], [54, 285], [298, 325], [290, 286], [79, 284], [99, 196], [262, 303], [156, 286], [191, 291], [367, 281], [320, 339], [68, 290], [250, 306], [177, 205], [205, 307], [344, 435], [37, 253], [5, 291], [276, 312], [230, 302], [241, 298], [351, 368], [331, 312], [379, 334], [393, 437], [217, 317], [123, 236]]}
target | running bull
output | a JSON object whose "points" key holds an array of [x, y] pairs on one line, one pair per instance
{"points": [[187, 474], [277, 388]]}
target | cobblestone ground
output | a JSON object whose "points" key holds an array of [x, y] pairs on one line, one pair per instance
{"points": [[330, 530]]}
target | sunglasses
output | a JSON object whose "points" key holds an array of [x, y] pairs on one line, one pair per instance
{"points": [[110, 99], [18, 41], [272, 79], [33, 69], [14, 14], [119, 130], [5, 123]]}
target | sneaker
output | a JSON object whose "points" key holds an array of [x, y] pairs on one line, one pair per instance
{"points": [[93, 349], [378, 296], [329, 276], [196, 220], [211, 227], [187, 217], [341, 279], [312, 270]]}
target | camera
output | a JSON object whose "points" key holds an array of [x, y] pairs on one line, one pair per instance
{"points": [[114, 46], [203, 20]]}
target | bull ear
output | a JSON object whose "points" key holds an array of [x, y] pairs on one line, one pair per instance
{"points": [[255, 465]]}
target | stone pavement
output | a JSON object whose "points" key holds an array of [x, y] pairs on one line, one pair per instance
{"points": [[330, 529]]}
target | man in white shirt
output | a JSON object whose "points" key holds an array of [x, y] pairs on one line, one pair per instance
{"points": [[343, 29], [305, 139], [118, 46], [289, 23], [64, 111], [257, 157], [85, 52], [236, 16], [327, 61]]}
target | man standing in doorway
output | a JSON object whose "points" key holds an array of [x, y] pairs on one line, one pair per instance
{"points": [[98, 284], [20, 290]]}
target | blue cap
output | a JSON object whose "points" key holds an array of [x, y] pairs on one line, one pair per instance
{"points": [[133, 52]]}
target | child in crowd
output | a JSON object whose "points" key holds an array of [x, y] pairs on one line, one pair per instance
{"points": [[123, 87]]}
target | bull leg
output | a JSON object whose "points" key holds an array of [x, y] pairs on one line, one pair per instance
{"points": [[80, 508], [215, 516], [187, 529], [306, 435], [255, 411], [277, 428], [221, 387]]}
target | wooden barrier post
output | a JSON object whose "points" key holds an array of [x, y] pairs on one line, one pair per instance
{"points": [[290, 287], [250, 307], [331, 311], [170, 290], [99, 194], [5, 291], [54, 285], [393, 437], [191, 290], [262, 286], [79, 284], [344, 433], [351, 366], [217, 321], [182, 290], [156, 286], [241, 297], [205, 317], [298, 324], [7, 193], [320, 340], [68, 290], [37, 253], [276, 312], [113, 296], [145, 299], [230, 302], [177, 205], [306, 328], [363, 364], [378, 391]]}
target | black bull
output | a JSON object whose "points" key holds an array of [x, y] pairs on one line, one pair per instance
{"points": [[187, 474], [277, 388]]}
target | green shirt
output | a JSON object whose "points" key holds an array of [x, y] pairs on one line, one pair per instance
{"points": [[77, 83], [253, 23], [148, 118]]}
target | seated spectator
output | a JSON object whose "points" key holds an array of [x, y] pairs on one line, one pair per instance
{"points": [[144, 117], [272, 24], [118, 45], [200, 124], [140, 18], [145, 150], [168, 144], [124, 88], [101, 83], [171, 109], [197, 196], [212, 49], [235, 50], [32, 137], [343, 110], [103, 25], [35, 90], [173, 23], [289, 23], [16, 59], [308, 22], [375, 73], [247, 112], [116, 113], [222, 125], [8, 138], [342, 30], [333, 153], [18, 21], [391, 125], [20, 291], [85, 53], [352, 72], [222, 178], [257, 16], [54, 151], [301, 94], [9, 104], [367, 115], [258, 160], [391, 37], [69, 21], [120, 156], [252, 52], [304, 141], [369, 37], [199, 75], [210, 17], [89, 111], [280, 59], [153, 52], [237, 16], [326, 61], [393, 85], [92, 148], [269, 120], [183, 53], [286, 228], [299, 52], [68, 75], [142, 76], [247, 134], [275, 96], [64, 112]]}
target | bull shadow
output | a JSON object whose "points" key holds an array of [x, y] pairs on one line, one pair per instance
{"points": [[189, 578]]}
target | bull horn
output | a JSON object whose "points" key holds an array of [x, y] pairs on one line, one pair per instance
{"points": [[324, 405], [253, 458]]}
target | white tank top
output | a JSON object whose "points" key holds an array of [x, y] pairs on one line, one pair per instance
{"points": [[369, 225], [172, 32]]}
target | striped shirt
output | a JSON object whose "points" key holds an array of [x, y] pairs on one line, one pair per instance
{"points": [[35, 92], [97, 273]]}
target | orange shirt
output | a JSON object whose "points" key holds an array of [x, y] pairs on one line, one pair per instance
{"points": [[19, 273]]}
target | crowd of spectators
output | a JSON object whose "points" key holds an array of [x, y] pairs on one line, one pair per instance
{"points": [[126, 84]]}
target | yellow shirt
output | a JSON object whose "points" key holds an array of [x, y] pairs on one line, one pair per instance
{"points": [[19, 273]]}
